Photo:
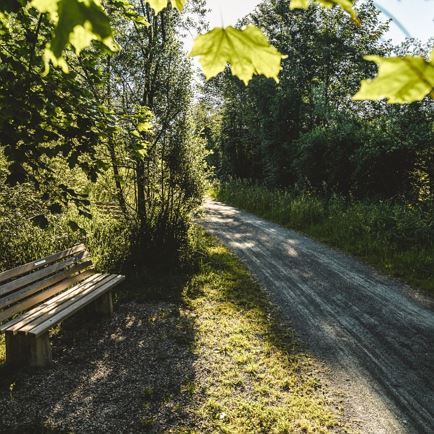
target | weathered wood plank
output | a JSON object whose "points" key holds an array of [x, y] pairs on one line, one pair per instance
{"points": [[63, 304], [31, 266], [79, 304], [42, 296], [27, 291], [38, 275], [41, 310]]}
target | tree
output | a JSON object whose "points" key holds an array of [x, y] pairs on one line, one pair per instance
{"points": [[154, 151], [246, 50], [45, 116], [306, 131]]}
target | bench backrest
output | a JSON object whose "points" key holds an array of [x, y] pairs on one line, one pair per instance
{"points": [[26, 286]]}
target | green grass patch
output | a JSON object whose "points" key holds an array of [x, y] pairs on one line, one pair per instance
{"points": [[396, 238], [253, 376], [2, 348]]}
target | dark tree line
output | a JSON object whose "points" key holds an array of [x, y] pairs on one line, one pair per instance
{"points": [[306, 132]]}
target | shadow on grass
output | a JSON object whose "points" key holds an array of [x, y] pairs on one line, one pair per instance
{"points": [[247, 296], [260, 380]]}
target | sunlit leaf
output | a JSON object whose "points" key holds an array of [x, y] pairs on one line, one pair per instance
{"points": [[299, 4], [179, 4], [400, 79], [159, 5], [346, 5], [247, 51], [78, 22], [125, 8]]}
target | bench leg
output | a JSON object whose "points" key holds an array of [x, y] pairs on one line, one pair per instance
{"points": [[28, 350], [104, 305]]}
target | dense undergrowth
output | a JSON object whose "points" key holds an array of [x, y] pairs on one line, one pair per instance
{"points": [[394, 237]]}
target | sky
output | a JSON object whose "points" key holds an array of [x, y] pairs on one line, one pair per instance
{"points": [[417, 16]]}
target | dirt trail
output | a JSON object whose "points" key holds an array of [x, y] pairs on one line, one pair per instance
{"points": [[376, 337]]}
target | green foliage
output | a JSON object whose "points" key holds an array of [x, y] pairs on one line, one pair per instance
{"points": [[157, 159], [45, 117], [22, 239], [397, 238], [346, 5], [73, 141], [306, 132], [159, 5], [79, 22], [400, 79], [110, 240], [76, 22], [246, 50]]}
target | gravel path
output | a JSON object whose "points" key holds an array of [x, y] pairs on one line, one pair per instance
{"points": [[375, 335]]}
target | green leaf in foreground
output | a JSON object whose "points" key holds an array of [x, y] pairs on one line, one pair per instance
{"points": [[247, 51], [159, 5], [77, 22], [400, 80], [346, 5]]}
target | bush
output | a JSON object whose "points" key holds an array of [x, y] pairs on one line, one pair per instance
{"points": [[22, 240]]}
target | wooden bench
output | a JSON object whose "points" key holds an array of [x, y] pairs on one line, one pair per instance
{"points": [[36, 296]]}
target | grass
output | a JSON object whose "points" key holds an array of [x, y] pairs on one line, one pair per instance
{"points": [[2, 348], [258, 380], [395, 238]]}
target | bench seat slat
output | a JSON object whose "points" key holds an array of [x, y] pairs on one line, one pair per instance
{"points": [[38, 275], [57, 307], [27, 291], [54, 308], [41, 310], [77, 305], [44, 295], [30, 266]]}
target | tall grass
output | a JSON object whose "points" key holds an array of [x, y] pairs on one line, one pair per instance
{"points": [[394, 237]]}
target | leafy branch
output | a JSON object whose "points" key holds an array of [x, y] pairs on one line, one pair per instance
{"points": [[247, 51]]}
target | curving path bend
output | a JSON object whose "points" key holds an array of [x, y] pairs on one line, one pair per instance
{"points": [[376, 337]]}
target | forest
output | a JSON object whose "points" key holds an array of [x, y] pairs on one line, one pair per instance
{"points": [[112, 136]]}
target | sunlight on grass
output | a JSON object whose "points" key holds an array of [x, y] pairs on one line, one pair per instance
{"points": [[2, 348], [257, 380]]}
